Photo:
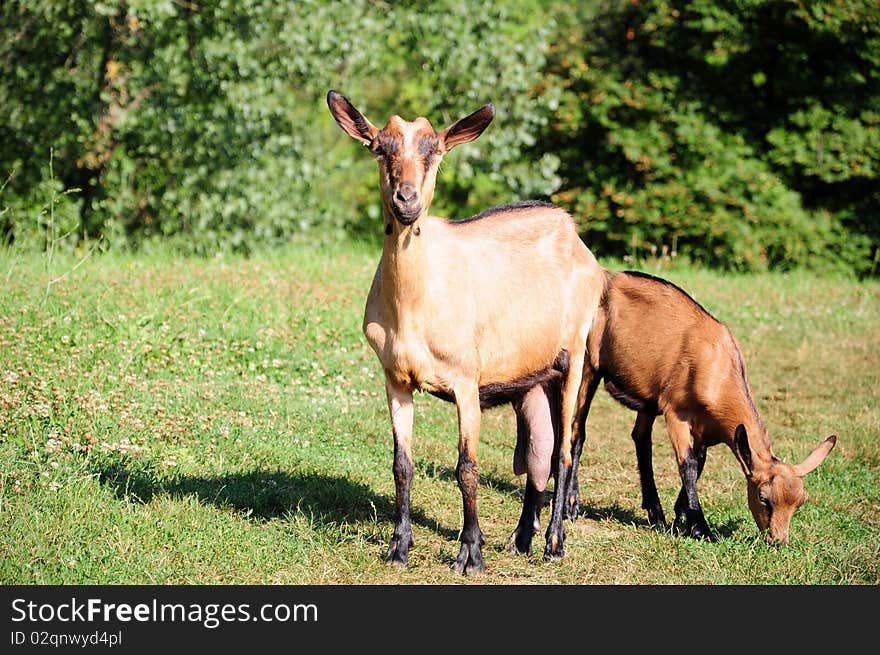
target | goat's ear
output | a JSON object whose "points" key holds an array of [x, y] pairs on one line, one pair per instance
{"points": [[350, 119], [468, 128], [816, 457], [743, 452]]}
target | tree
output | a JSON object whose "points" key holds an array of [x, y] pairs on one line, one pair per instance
{"points": [[742, 134]]}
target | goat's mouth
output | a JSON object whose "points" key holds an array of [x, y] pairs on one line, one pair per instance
{"points": [[408, 214]]}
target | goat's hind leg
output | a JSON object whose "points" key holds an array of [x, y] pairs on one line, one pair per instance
{"points": [[589, 384], [537, 429], [554, 550]]}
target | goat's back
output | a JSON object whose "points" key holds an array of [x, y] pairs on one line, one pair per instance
{"points": [[509, 281], [657, 348]]}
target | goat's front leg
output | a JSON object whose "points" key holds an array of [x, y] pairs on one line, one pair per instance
{"points": [[682, 503], [470, 557], [400, 405], [690, 465]]}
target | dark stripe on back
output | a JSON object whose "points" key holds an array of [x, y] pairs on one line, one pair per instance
{"points": [[512, 207], [745, 381], [674, 286], [604, 299]]}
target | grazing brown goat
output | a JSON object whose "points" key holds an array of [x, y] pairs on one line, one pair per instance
{"points": [[660, 352], [481, 311]]}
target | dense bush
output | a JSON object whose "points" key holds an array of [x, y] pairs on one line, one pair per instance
{"points": [[742, 134], [207, 122]]}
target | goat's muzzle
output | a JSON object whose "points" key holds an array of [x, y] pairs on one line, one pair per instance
{"points": [[406, 204]]}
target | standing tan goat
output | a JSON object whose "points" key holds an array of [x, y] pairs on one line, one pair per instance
{"points": [[660, 352], [478, 311]]}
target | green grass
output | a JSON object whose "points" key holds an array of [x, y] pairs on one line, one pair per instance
{"points": [[195, 421]]}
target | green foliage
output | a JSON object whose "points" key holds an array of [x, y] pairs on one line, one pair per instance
{"points": [[207, 122], [739, 134]]}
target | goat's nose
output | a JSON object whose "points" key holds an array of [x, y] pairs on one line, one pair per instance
{"points": [[405, 193]]}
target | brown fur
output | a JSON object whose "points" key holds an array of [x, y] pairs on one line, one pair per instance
{"points": [[456, 307], [660, 352]]}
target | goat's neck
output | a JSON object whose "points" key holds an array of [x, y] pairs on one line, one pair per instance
{"points": [[404, 267]]}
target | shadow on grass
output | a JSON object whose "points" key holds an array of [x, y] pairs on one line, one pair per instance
{"points": [[446, 473], [264, 495], [640, 519], [615, 513], [261, 495], [594, 513]]}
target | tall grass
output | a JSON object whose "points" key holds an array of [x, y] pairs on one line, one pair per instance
{"points": [[169, 420]]}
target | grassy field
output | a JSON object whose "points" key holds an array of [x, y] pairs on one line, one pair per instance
{"points": [[223, 421]]}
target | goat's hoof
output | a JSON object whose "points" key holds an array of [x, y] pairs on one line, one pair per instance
{"points": [[656, 518], [554, 555], [572, 508], [469, 560], [659, 526], [705, 534], [520, 542], [398, 553], [700, 531], [554, 550]]}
